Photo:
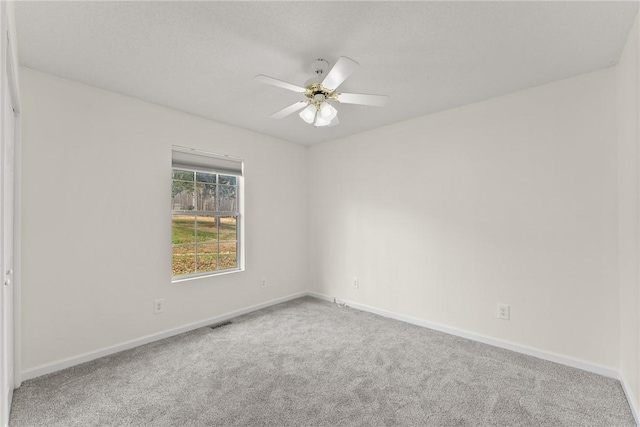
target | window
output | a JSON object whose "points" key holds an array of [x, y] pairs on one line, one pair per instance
{"points": [[205, 226]]}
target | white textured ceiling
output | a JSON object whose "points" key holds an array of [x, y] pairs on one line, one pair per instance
{"points": [[200, 57]]}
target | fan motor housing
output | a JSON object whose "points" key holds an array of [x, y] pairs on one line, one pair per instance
{"points": [[317, 93]]}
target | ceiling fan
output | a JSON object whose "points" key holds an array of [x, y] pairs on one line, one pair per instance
{"points": [[321, 91]]}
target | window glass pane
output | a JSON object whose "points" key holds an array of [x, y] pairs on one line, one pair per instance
{"points": [[207, 228], [226, 179], [183, 260], [228, 256], [207, 257], [206, 177], [228, 228], [183, 229], [205, 197], [204, 243], [227, 200], [182, 196], [182, 175]]}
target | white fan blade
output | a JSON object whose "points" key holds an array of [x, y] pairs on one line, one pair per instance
{"points": [[289, 110], [363, 99], [334, 122], [279, 83], [339, 73]]}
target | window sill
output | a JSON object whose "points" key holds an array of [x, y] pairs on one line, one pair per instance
{"points": [[205, 275]]}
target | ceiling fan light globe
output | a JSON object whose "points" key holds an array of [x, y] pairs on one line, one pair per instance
{"points": [[333, 113], [325, 109], [321, 121], [309, 114]]}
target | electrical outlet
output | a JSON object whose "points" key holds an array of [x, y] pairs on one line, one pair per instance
{"points": [[158, 306], [504, 312], [356, 283], [263, 283]]}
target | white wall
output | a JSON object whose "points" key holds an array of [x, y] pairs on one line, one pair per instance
{"points": [[511, 200], [97, 225], [628, 112]]}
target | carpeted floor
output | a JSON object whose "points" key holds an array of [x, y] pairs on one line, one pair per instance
{"points": [[311, 363]]}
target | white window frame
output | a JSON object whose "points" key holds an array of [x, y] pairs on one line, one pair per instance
{"points": [[237, 213]]}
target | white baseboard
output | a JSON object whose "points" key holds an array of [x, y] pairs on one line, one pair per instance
{"points": [[632, 401], [320, 296], [530, 351], [106, 351]]}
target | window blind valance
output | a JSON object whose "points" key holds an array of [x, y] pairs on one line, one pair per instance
{"points": [[189, 158]]}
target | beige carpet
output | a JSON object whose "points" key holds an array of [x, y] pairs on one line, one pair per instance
{"points": [[311, 363]]}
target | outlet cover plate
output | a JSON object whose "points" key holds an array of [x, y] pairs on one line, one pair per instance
{"points": [[504, 312], [158, 306]]}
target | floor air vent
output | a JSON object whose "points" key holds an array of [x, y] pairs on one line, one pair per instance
{"points": [[219, 325]]}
